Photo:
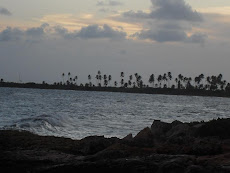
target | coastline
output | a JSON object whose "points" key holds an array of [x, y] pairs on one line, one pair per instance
{"points": [[147, 90], [163, 147]]}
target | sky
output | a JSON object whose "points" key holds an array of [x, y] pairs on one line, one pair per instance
{"points": [[40, 40]]}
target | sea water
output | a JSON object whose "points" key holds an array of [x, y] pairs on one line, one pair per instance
{"points": [[77, 114]]}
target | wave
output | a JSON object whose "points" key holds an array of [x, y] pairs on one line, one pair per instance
{"points": [[39, 123]]}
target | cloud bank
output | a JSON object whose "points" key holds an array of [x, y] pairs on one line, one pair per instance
{"points": [[109, 3], [176, 10], [46, 31], [168, 21], [4, 11]]}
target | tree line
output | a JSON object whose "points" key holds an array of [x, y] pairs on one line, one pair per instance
{"points": [[165, 80]]}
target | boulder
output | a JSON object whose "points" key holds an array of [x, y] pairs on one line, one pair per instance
{"points": [[144, 138], [159, 129]]}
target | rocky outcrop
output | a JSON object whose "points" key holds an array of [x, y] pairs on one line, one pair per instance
{"points": [[163, 148]]}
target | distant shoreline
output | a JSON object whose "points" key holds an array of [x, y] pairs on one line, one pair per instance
{"points": [[147, 90]]}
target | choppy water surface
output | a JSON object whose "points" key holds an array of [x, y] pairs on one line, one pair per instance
{"points": [[77, 114]]}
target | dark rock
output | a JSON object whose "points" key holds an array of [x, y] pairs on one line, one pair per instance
{"points": [[93, 144], [195, 169], [159, 129], [144, 138], [176, 122], [129, 137], [206, 147], [166, 147], [219, 128]]}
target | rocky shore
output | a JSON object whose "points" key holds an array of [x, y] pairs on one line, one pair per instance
{"points": [[175, 147]]}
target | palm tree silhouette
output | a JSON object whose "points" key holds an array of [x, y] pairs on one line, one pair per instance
{"points": [[151, 80], [89, 78], [164, 78], [76, 79], [63, 75], [99, 76], [159, 80], [122, 80], [115, 83], [109, 79], [170, 78], [69, 74]]}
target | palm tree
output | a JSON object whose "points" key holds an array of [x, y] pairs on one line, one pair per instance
{"points": [[69, 74], [159, 80], [105, 80], [63, 75], [110, 78], [180, 79], [170, 78], [89, 78], [139, 81], [122, 74], [99, 77], [76, 79], [115, 83], [129, 83], [151, 79], [131, 77], [227, 88], [70, 79], [122, 80], [134, 84], [164, 78]]}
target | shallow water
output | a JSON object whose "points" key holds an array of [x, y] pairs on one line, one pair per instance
{"points": [[77, 114]]}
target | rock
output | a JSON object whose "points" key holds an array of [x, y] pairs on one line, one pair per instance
{"points": [[144, 138], [181, 134], [93, 144], [166, 147], [195, 169], [159, 129], [219, 128], [129, 137], [176, 122], [206, 147], [179, 130]]}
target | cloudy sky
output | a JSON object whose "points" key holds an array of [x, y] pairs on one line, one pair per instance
{"points": [[39, 40]]}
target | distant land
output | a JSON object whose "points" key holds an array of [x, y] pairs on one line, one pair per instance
{"points": [[147, 90], [162, 84]]}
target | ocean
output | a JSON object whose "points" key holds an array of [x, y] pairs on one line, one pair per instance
{"points": [[78, 114]]}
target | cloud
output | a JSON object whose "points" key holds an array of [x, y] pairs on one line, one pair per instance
{"points": [[176, 10], [14, 34], [139, 14], [92, 32], [170, 32], [109, 3], [37, 33], [4, 11], [95, 31], [196, 38], [11, 34], [168, 21]]}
